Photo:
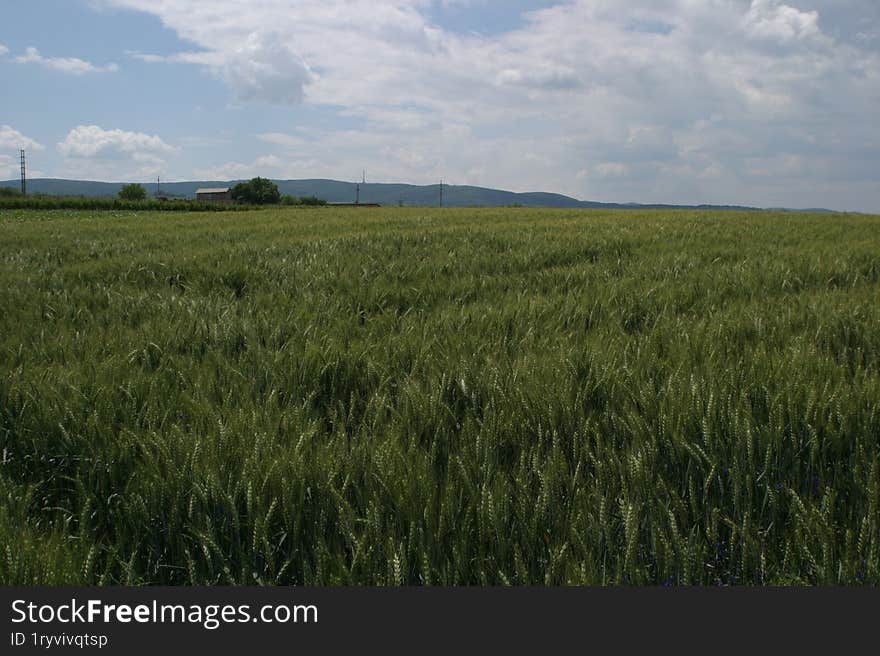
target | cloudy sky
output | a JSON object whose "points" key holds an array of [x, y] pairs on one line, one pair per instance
{"points": [[759, 102]]}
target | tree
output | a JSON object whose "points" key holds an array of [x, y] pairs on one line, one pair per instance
{"points": [[133, 192], [305, 200], [258, 191]]}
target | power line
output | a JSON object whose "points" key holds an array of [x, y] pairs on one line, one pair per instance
{"points": [[23, 174]]}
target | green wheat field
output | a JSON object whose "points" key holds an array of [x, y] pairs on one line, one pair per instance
{"points": [[401, 396]]}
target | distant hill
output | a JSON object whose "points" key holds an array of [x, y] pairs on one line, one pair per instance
{"points": [[344, 192]]}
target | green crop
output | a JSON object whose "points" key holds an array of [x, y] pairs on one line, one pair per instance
{"points": [[439, 397]]}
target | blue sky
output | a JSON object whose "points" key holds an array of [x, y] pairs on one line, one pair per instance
{"points": [[759, 102]]}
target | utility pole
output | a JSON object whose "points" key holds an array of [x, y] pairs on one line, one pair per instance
{"points": [[23, 175], [157, 186], [441, 192]]}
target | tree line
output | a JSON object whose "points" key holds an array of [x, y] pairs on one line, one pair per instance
{"points": [[262, 191], [256, 191], [252, 193]]}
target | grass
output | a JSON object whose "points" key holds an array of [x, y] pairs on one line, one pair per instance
{"points": [[439, 397]]}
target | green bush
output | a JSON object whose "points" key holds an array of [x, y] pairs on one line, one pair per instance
{"points": [[133, 192], [258, 191], [307, 201]]}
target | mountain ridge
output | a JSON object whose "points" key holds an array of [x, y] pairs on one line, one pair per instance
{"points": [[390, 194]]}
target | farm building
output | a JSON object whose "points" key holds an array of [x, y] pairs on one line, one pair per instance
{"points": [[217, 195]]}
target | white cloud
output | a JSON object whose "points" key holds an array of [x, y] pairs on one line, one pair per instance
{"points": [[685, 95], [261, 67], [773, 20], [12, 139], [3, 50], [147, 57], [70, 65], [264, 166], [113, 154], [611, 170], [93, 141], [8, 167], [265, 68], [267, 52], [280, 139], [211, 59]]}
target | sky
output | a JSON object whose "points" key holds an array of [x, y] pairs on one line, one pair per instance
{"points": [[755, 102]]}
